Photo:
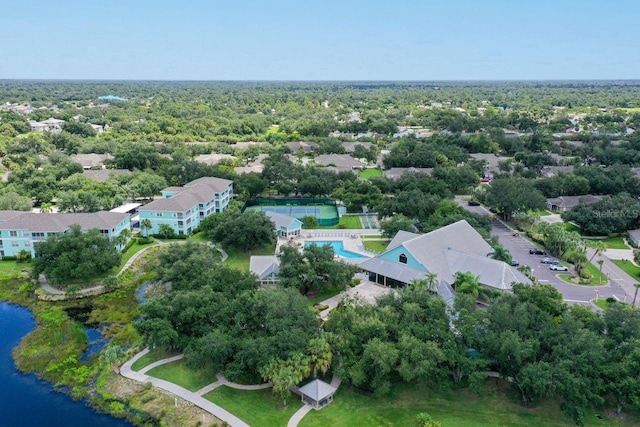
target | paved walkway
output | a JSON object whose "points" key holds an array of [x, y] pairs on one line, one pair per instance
{"points": [[181, 392], [366, 290]]}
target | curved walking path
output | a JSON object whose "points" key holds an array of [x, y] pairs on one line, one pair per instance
{"points": [[181, 392], [42, 279]]}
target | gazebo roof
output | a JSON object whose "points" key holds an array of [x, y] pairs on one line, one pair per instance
{"points": [[317, 390]]}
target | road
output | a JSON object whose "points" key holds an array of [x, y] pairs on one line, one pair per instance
{"points": [[620, 286]]}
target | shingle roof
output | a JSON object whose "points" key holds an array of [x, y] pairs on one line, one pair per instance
{"points": [[263, 265], [342, 161], [317, 390], [568, 202], [428, 249], [493, 273], [102, 175], [198, 191], [7, 215], [281, 220], [401, 237], [395, 173], [58, 222], [91, 160], [213, 159]]}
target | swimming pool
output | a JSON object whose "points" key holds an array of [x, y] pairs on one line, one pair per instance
{"points": [[338, 248]]}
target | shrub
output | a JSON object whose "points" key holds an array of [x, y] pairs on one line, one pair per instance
{"points": [[9, 258], [23, 256], [145, 240]]}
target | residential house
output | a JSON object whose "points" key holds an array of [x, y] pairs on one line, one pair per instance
{"points": [[340, 162], [457, 247], [49, 125], [549, 171], [395, 173], [266, 268], [306, 147], [350, 147], [91, 160], [285, 225], [634, 237], [183, 208], [213, 159], [491, 165], [21, 230], [101, 175], [255, 166], [565, 203]]}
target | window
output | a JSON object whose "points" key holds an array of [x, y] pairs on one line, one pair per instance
{"points": [[37, 237], [402, 258], [158, 213], [14, 244], [180, 215], [180, 224], [13, 233]]}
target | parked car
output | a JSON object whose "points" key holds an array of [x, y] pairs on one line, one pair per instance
{"points": [[515, 262], [537, 251], [473, 203], [558, 267], [485, 180], [549, 260]]}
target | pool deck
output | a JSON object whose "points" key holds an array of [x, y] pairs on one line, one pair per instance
{"points": [[351, 240]]}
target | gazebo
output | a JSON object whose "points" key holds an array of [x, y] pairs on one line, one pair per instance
{"points": [[317, 394]]}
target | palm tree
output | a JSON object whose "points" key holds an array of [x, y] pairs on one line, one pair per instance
{"points": [[432, 282], [467, 283], [600, 262], [598, 245], [637, 286], [320, 355], [636, 257], [46, 208], [146, 224], [501, 254]]}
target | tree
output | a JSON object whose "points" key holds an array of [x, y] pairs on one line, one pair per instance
{"points": [[249, 230], [146, 226], [501, 254], [46, 208], [320, 355], [635, 295], [12, 201], [615, 214], [467, 283], [165, 231], [424, 420], [396, 223], [511, 195], [112, 355], [310, 222], [75, 256]]}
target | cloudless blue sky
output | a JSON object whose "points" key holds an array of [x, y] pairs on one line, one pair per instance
{"points": [[320, 40]]}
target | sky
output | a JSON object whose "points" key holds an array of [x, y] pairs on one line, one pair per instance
{"points": [[320, 40]]}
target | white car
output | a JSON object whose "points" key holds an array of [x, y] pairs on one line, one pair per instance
{"points": [[558, 267]]}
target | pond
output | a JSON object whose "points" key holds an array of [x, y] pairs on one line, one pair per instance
{"points": [[27, 401]]}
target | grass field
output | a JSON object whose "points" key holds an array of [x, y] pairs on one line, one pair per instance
{"points": [[495, 406], [256, 407], [199, 237], [376, 245], [178, 373], [629, 267], [571, 227], [614, 242], [540, 212], [604, 304], [370, 173], [13, 266], [239, 259], [135, 248], [372, 236], [153, 356], [346, 221], [597, 278], [325, 294]]}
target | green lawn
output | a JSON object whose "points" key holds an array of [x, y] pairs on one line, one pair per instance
{"points": [[571, 227], [13, 266], [135, 248], [239, 259], [540, 212], [255, 407], [604, 304], [376, 245], [629, 267], [346, 221], [153, 356], [614, 242], [597, 278], [178, 373], [370, 173], [493, 407], [199, 237], [325, 294], [372, 236]]}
